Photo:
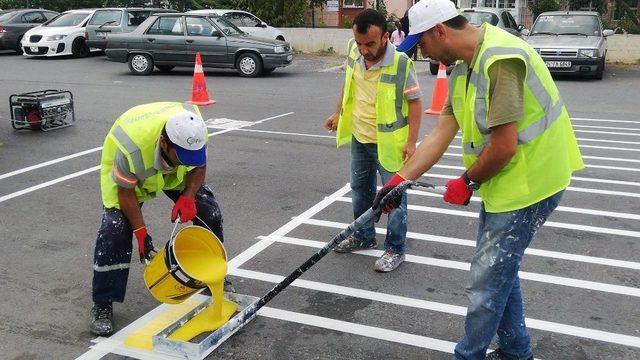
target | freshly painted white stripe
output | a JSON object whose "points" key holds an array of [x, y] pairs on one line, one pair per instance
{"points": [[606, 120], [608, 148], [619, 215], [287, 133], [286, 228], [606, 132], [48, 183], [360, 330], [465, 266], [471, 243], [50, 162], [606, 181], [561, 225], [605, 127], [86, 171], [586, 165], [557, 328], [106, 268], [570, 188], [596, 140]]}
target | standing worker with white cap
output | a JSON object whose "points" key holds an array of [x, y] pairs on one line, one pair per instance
{"points": [[150, 148], [519, 151]]}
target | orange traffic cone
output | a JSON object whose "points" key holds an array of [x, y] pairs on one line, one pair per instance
{"points": [[439, 92], [199, 95]]}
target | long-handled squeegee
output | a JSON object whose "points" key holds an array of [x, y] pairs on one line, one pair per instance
{"points": [[211, 342]]}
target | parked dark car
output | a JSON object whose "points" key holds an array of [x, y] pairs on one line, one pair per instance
{"points": [[109, 21], [169, 40], [14, 23]]}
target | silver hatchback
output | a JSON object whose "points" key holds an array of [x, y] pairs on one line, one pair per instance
{"points": [[570, 42]]}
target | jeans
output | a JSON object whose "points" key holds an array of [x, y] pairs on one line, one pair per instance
{"points": [[364, 164], [114, 244], [493, 287]]}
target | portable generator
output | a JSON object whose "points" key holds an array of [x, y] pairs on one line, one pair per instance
{"points": [[42, 110]]}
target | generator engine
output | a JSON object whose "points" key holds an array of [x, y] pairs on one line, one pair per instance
{"points": [[42, 110]]}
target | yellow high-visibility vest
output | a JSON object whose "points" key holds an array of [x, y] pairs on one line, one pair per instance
{"points": [[391, 109], [136, 135], [547, 151]]}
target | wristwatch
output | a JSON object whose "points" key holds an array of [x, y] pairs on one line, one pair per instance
{"points": [[472, 185]]}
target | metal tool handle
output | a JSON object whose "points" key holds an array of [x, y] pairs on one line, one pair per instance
{"points": [[240, 319]]}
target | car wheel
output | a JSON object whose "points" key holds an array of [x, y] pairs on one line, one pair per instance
{"points": [[249, 65], [165, 68], [79, 48], [19, 46], [140, 64], [600, 72], [433, 68]]}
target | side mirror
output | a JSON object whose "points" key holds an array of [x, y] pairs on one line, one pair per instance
{"points": [[520, 27], [524, 32], [607, 32], [216, 33], [262, 24]]}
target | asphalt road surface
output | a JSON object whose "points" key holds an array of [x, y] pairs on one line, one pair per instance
{"points": [[282, 186]]}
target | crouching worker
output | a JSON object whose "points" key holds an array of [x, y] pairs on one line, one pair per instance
{"points": [[150, 148]]}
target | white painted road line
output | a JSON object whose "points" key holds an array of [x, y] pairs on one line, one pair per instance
{"points": [[570, 209], [606, 127], [585, 165], [50, 162], [593, 140], [288, 133], [89, 170], [606, 132], [549, 326], [470, 243], [606, 120], [583, 156], [465, 266], [256, 248], [608, 148], [555, 224]]}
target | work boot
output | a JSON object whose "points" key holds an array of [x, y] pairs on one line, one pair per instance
{"points": [[102, 319], [500, 355], [389, 261], [352, 244]]}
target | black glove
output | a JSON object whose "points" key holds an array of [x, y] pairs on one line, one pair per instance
{"points": [[392, 201], [146, 250]]}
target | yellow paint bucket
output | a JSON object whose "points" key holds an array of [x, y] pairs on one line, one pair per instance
{"points": [[193, 257]]}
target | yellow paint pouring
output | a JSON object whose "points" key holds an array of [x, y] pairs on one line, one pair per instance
{"points": [[201, 261]]}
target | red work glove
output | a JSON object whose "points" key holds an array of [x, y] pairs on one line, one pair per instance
{"points": [[186, 206], [145, 244], [458, 193], [393, 202]]}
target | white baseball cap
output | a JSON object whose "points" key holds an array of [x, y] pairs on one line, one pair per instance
{"points": [[188, 132], [424, 15]]}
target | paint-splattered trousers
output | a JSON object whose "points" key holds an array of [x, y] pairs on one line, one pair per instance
{"points": [[364, 165], [493, 287], [114, 244]]}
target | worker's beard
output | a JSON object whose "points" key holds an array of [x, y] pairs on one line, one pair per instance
{"points": [[379, 54], [166, 158]]}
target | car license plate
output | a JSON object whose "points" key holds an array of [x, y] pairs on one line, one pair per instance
{"points": [[34, 49], [290, 57], [558, 64]]}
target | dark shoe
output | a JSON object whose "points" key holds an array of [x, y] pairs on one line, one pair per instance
{"points": [[352, 244], [102, 319], [500, 355]]}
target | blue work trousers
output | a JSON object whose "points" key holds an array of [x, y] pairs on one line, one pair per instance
{"points": [[493, 287], [114, 244], [364, 165]]}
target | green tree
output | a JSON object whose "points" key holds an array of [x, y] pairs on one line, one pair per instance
{"points": [[537, 7]]}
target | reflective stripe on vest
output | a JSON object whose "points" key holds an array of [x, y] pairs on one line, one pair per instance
{"points": [[551, 111], [398, 81]]}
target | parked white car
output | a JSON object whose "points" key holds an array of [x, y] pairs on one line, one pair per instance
{"points": [[62, 35], [247, 22]]}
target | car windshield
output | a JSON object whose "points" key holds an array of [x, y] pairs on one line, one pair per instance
{"points": [[567, 25], [6, 15], [67, 19], [226, 26], [478, 18]]}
